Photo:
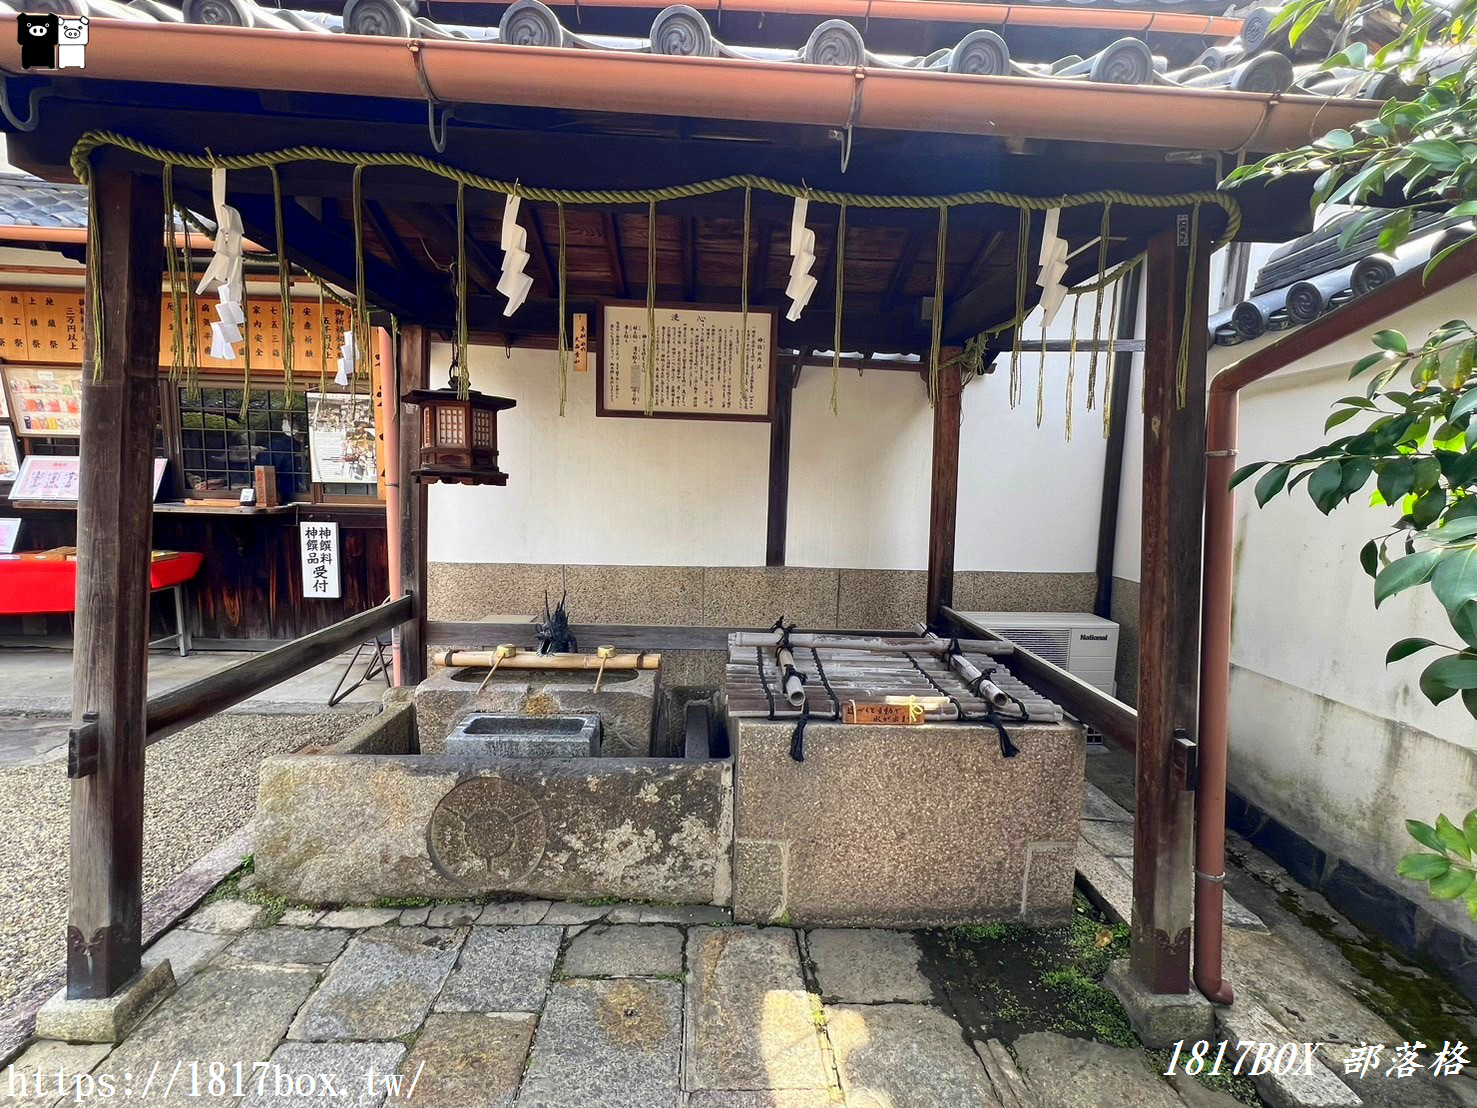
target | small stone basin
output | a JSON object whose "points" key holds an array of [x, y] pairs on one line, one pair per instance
{"points": [[504, 735]]}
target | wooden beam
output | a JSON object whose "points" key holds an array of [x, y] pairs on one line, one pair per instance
{"points": [[415, 373], [1169, 613], [114, 521], [616, 255], [976, 271], [689, 257], [759, 276], [538, 247], [779, 463], [1112, 494], [898, 284], [480, 268], [400, 257], [943, 500]]}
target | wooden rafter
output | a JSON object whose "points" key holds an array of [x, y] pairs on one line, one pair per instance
{"points": [[379, 223], [899, 282], [616, 255], [538, 247]]}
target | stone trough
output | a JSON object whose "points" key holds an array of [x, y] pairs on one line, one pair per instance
{"points": [[498, 734]]}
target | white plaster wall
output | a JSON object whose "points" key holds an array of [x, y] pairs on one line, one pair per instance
{"points": [[600, 491]]}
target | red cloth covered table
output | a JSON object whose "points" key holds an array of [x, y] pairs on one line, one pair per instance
{"points": [[33, 586]]}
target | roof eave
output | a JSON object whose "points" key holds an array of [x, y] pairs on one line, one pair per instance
{"points": [[711, 88]]}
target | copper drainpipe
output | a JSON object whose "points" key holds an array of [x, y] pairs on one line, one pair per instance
{"points": [[390, 390], [1359, 315]]}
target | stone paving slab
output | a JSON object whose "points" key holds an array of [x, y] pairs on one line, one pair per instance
{"points": [[226, 1015], [905, 1056], [607, 1044], [225, 917], [414, 917], [453, 915], [625, 950], [784, 1098], [513, 912], [469, 1060], [359, 917], [868, 966], [382, 986], [750, 1023], [1248, 1020], [300, 917], [502, 969], [310, 1075], [1097, 804], [567, 914], [186, 950], [285, 946], [1077, 1073]]}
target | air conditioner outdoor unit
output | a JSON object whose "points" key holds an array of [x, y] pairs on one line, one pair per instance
{"points": [[1084, 645]]}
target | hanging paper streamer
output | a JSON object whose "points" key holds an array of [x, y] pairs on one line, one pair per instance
{"points": [[347, 357], [514, 284], [224, 273], [802, 252], [1053, 263]]}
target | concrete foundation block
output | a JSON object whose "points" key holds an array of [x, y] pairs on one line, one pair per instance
{"points": [[108, 1020], [1160, 1019], [905, 826], [349, 829], [498, 735]]}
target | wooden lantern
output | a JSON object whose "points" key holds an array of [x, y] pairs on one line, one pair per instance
{"points": [[459, 436]]}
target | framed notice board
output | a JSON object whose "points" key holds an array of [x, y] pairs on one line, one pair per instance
{"points": [[45, 402], [698, 372]]}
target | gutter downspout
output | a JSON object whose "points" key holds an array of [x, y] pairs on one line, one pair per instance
{"points": [[390, 388], [1222, 417]]}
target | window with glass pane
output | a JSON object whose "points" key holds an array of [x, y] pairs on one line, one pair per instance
{"points": [[222, 449]]}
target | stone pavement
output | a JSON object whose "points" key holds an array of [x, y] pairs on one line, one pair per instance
{"points": [[539, 1005]]}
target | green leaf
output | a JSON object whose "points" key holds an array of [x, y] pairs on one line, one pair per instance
{"points": [[1452, 884], [1469, 829], [1364, 363], [1419, 866], [1454, 580], [1469, 701], [1305, 20], [1404, 573], [1428, 507], [1336, 140], [1271, 484], [1396, 231], [1427, 473], [1451, 835], [1444, 677], [1397, 479], [1424, 834], [1464, 404], [1391, 340], [1324, 485], [1442, 153], [1369, 557], [1442, 255], [1454, 530], [1406, 647], [1343, 415], [1464, 622], [1356, 473], [1245, 471]]}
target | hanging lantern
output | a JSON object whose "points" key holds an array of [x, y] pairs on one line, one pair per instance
{"points": [[459, 435]]}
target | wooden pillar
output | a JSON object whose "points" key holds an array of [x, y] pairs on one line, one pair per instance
{"points": [[415, 373], [788, 375], [943, 500], [114, 531], [1169, 614]]}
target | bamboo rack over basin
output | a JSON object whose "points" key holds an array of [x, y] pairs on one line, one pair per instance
{"points": [[529, 659]]}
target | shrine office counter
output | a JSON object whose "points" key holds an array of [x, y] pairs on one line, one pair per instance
{"points": [[248, 591]]}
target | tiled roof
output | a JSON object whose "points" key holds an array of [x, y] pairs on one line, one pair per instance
{"points": [[1247, 64], [27, 202], [1314, 274]]}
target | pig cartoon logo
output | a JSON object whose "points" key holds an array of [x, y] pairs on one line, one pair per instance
{"points": [[72, 45], [38, 36]]}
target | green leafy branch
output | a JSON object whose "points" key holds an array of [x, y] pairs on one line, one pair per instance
{"points": [[1447, 868], [1420, 448]]}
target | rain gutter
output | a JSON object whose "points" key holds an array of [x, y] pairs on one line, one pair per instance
{"points": [[1221, 435], [710, 88]]}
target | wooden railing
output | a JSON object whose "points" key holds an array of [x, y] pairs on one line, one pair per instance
{"points": [[1115, 719], [173, 711]]}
